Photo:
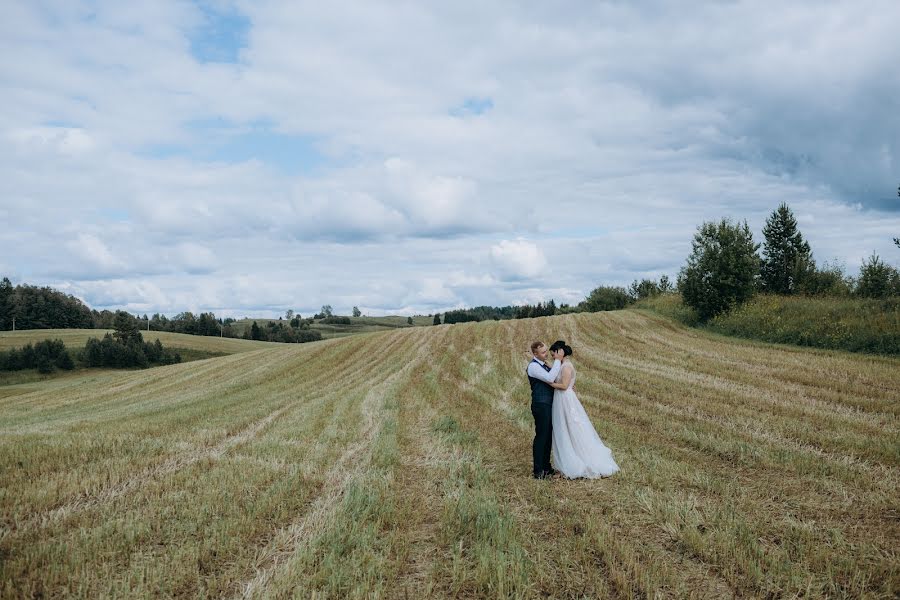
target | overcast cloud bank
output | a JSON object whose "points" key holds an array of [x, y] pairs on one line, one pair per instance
{"points": [[250, 157]]}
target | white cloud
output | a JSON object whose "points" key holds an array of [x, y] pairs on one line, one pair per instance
{"points": [[519, 259], [95, 253]]}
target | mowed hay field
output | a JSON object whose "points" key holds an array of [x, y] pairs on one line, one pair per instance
{"points": [[397, 465], [77, 338]]}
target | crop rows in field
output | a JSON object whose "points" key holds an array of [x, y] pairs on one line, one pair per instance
{"points": [[397, 465]]}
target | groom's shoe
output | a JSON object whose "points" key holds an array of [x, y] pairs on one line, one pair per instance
{"points": [[541, 475], [551, 472]]}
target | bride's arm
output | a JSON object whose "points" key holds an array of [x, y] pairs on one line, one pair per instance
{"points": [[564, 380]]}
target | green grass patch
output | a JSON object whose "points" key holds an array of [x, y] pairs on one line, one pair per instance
{"points": [[851, 324], [487, 558]]}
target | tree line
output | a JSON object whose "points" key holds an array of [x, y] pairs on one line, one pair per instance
{"points": [[124, 348], [725, 269]]}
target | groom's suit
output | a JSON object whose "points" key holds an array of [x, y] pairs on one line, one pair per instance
{"points": [[539, 377]]}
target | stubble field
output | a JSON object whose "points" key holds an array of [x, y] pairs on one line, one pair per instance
{"points": [[397, 465]]}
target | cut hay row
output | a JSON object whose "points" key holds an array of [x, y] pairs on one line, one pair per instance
{"points": [[397, 465]]}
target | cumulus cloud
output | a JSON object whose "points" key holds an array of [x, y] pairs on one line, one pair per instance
{"points": [[518, 259], [94, 253]]}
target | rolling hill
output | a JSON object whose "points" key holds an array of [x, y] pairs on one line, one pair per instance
{"points": [[76, 338], [397, 464]]}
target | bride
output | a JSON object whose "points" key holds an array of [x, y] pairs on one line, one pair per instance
{"points": [[577, 449]]}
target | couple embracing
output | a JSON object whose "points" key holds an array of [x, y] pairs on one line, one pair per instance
{"points": [[560, 421]]}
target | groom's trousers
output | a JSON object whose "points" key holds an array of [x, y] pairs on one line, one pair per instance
{"points": [[543, 436]]}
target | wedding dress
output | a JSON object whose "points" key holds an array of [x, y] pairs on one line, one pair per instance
{"points": [[577, 449]]}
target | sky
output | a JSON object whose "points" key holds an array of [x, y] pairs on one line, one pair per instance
{"points": [[247, 158]]}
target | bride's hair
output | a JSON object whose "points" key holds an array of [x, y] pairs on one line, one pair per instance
{"points": [[561, 345]]}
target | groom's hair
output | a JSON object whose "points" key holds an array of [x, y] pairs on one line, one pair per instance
{"points": [[535, 346]]}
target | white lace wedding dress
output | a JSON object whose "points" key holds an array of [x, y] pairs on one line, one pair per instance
{"points": [[577, 449]]}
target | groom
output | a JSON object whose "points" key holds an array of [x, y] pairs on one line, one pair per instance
{"points": [[540, 376]]}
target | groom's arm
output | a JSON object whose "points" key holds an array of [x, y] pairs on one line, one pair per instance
{"points": [[535, 370]]}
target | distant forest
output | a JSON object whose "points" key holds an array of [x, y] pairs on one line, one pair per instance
{"points": [[32, 307]]}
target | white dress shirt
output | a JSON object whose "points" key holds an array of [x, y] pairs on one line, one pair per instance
{"points": [[536, 370]]}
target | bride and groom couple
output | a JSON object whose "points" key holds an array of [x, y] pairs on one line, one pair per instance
{"points": [[560, 421]]}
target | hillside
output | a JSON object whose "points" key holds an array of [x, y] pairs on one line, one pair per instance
{"points": [[76, 338], [397, 465]]}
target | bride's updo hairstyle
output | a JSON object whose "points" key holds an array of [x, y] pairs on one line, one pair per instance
{"points": [[561, 345]]}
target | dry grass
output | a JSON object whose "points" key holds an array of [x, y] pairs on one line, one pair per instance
{"points": [[76, 338], [397, 465]]}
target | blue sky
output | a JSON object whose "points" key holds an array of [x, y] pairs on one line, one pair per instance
{"points": [[250, 157], [220, 34]]}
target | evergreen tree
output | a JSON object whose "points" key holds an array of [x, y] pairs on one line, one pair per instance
{"points": [[126, 329], [721, 270], [6, 304], [665, 286], [645, 288], [437, 319], [255, 332], [357, 312], [878, 279], [786, 256]]}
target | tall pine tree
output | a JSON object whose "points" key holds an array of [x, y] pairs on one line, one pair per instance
{"points": [[786, 255]]}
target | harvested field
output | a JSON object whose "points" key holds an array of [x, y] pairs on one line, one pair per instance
{"points": [[397, 465]]}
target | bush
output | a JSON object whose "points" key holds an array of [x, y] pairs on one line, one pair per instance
{"points": [[64, 361], [721, 271], [829, 280], [336, 321], [115, 353], [44, 356], [645, 288], [308, 335], [605, 298]]}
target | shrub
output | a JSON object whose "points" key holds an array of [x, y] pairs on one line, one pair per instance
{"points": [[113, 352], [336, 321], [44, 356], [828, 280], [605, 298]]}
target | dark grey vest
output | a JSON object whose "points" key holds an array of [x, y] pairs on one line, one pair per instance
{"points": [[541, 392]]}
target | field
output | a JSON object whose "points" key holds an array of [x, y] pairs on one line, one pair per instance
{"points": [[397, 465], [357, 325], [190, 347], [76, 338]]}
